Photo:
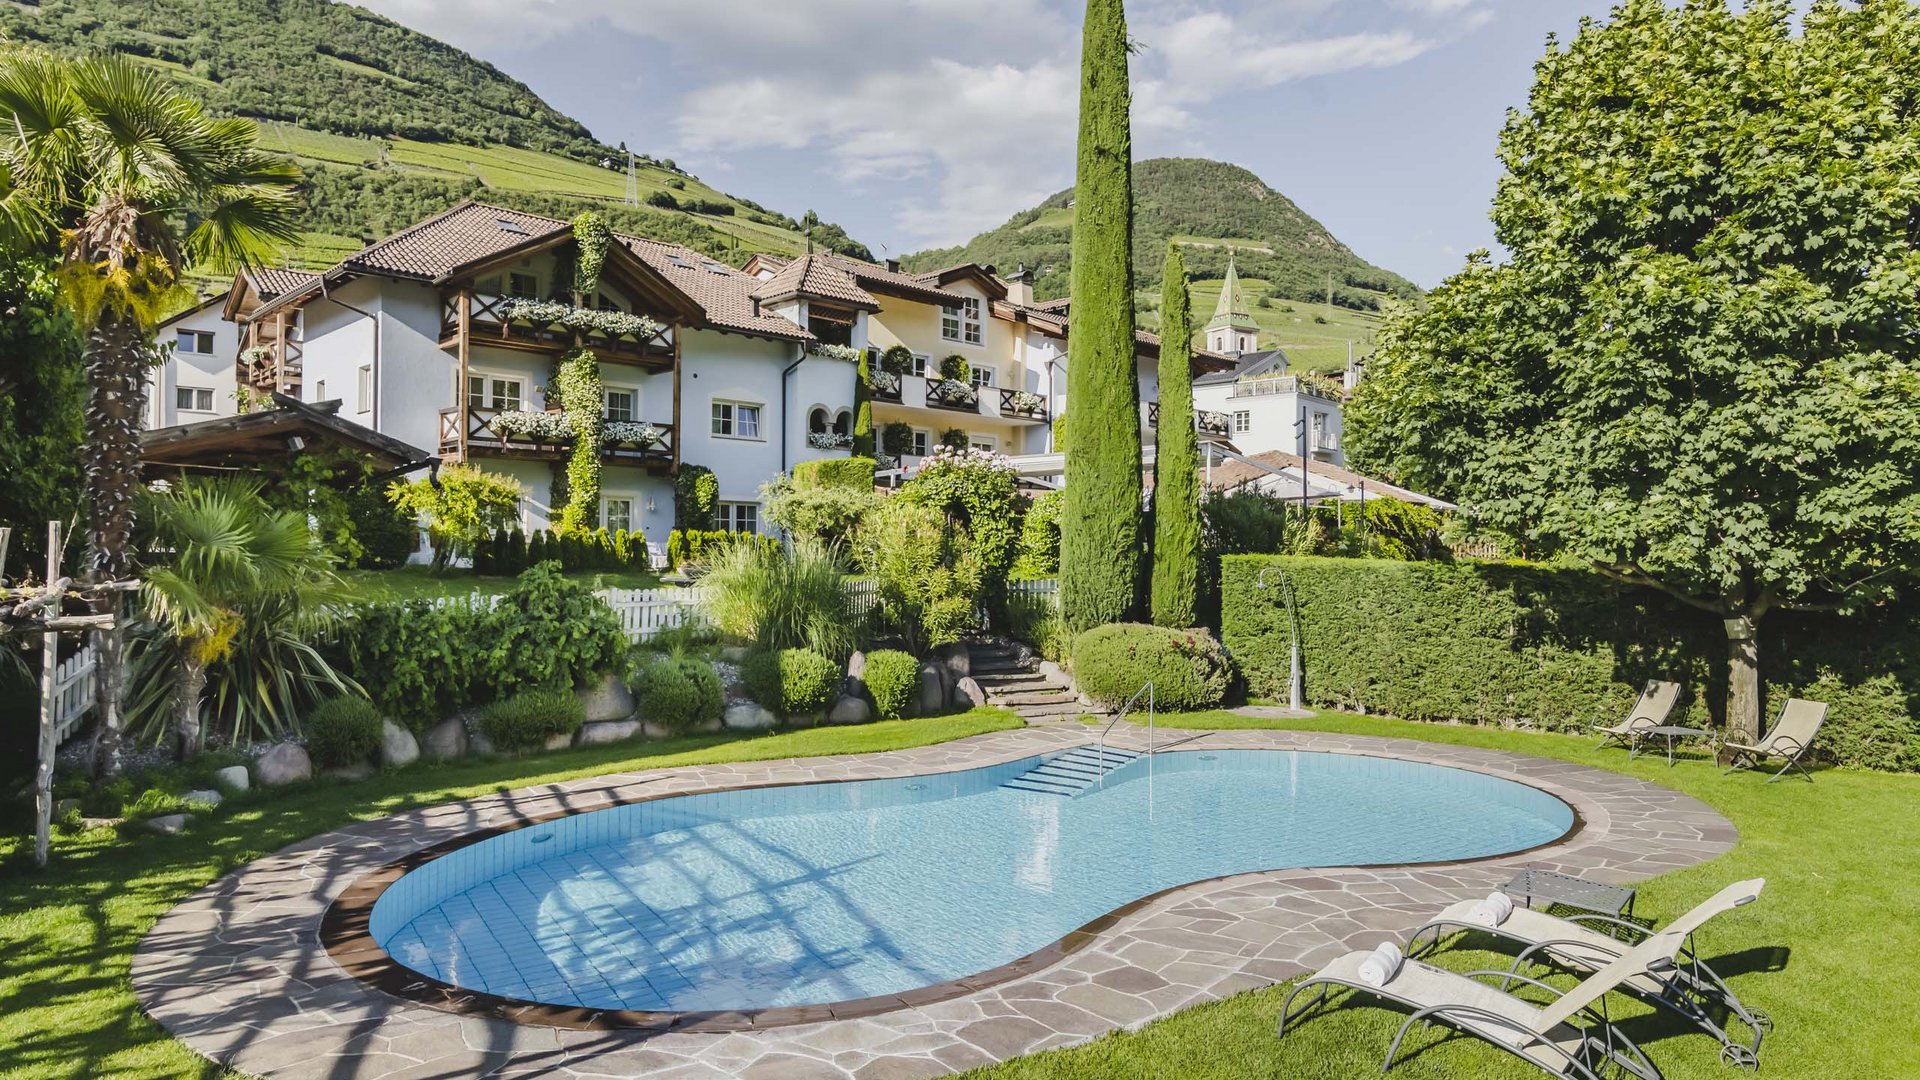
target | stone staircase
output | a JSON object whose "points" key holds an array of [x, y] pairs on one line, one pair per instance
{"points": [[1012, 680]]}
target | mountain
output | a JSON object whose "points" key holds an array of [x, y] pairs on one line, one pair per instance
{"points": [[391, 125], [1210, 207]]}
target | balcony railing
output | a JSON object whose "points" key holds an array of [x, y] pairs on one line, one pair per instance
{"points": [[492, 318], [1207, 423], [952, 395], [485, 439], [1021, 405], [1321, 387]]}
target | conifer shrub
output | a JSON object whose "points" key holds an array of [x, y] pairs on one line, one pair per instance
{"points": [[679, 694], [343, 731], [526, 721], [893, 679]]}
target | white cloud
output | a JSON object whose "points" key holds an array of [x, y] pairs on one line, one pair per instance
{"points": [[975, 102]]}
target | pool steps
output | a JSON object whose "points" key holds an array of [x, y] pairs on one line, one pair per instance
{"points": [[1073, 772]]}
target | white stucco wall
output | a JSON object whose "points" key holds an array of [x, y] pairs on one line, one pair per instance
{"points": [[1273, 419], [212, 370]]}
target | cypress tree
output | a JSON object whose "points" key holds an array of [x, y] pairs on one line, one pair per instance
{"points": [[1100, 526], [862, 408], [1176, 467]]}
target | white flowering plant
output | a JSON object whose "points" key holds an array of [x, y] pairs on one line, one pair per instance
{"points": [[835, 352], [555, 313], [630, 431], [953, 392], [828, 440], [540, 427], [883, 382], [1027, 402]]}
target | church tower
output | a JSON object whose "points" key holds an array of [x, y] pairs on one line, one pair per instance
{"points": [[1232, 330]]}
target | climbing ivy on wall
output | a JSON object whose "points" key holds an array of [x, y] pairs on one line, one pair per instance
{"points": [[592, 236], [577, 378]]}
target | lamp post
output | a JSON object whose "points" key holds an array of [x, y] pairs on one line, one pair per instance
{"points": [[1294, 685]]}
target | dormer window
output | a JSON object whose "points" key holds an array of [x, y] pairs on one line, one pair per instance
{"points": [[961, 322]]}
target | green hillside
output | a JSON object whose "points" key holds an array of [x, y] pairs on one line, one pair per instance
{"points": [[1314, 334], [391, 125], [1211, 207]]}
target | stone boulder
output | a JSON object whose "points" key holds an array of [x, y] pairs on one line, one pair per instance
{"points": [[445, 740], [746, 716], [477, 741], [602, 732], [282, 764], [932, 695], [849, 709], [397, 745], [607, 699], [63, 807], [956, 660], [969, 693], [558, 741], [167, 824], [206, 796], [1056, 675], [233, 777]]}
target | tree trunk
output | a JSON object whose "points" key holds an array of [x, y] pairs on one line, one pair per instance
{"points": [[190, 686], [116, 365], [1743, 679]]}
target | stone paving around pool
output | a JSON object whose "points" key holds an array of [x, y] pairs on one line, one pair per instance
{"points": [[237, 971]]}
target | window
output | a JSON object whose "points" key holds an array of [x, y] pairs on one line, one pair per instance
{"points": [[617, 514], [843, 423], [607, 303], [620, 406], [980, 377], [366, 388], [922, 442], [1319, 430], [494, 392], [983, 442], [320, 390], [962, 322], [817, 420], [524, 285], [1242, 423], [740, 517], [921, 361], [193, 341], [736, 420], [193, 399]]}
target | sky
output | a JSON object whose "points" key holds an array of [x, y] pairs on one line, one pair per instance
{"points": [[919, 123]]}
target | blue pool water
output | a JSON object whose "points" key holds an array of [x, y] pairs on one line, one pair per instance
{"points": [[829, 892]]}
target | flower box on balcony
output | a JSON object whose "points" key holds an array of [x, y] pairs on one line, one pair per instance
{"points": [[952, 394]]}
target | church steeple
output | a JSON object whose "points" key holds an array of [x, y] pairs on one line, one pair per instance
{"points": [[1232, 329]]}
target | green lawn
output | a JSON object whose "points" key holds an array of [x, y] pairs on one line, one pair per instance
{"points": [[1825, 950], [416, 583], [67, 935]]}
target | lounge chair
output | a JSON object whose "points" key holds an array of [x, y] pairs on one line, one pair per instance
{"points": [[1791, 738], [1655, 704], [1583, 943], [1541, 1034]]}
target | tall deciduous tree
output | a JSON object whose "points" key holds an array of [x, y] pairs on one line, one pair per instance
{"points": [[1696, 370], [1100, 528], [105, 161], [1176, 463]]}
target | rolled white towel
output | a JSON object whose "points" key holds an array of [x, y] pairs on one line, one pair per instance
{"points": [[1492, 911], [1381, 965]]}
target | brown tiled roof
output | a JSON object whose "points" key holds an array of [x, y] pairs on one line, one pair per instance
{"points": [[879, 279], [1232, 474], [273, 281], [983, 274], [725, 294], [810, 276], [1051, 318], [445, 242]]}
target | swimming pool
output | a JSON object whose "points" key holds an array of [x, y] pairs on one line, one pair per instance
{"points": [[800, 895]]}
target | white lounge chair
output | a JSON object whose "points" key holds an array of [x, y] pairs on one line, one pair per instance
{"points": [[1543, 1035], [1652, 708], [1583, 943], [1791, 738]]}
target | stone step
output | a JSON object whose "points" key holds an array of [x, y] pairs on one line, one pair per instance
{"points": [[1070, 707], [1032, 697], [999, 667], [1011, 679]]}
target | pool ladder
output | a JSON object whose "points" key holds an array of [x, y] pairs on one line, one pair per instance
{"points": [[1082, 767]]}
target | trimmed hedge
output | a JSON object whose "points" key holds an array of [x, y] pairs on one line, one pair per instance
{"points": [[527, 721], [1188, 668], [893, 678], [791, 682], [1523, 645], [679, 695], [343, 731], [849, 472]]}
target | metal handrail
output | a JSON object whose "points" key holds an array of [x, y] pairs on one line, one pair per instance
{"points": [[1122, 715]]}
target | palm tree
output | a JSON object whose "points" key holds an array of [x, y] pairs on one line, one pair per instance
{"points": [[131, 182], [226, 564]]}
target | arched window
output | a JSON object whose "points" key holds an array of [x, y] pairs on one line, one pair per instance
{"points": [[843, 423], [817, 420]]}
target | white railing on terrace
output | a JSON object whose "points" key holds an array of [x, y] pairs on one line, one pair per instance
{"points": [[646, 613], [1278, 384]]}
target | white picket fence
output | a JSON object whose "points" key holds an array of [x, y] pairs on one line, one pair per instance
{"points": [[645, 613], [73, 693]]}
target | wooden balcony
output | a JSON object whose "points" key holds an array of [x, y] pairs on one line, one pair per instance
{"points": [[1013, 411], [483, 440], [1204, 421], [492, 325], [958, 402]]}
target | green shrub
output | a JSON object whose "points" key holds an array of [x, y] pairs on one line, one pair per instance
{"points": [[1035, 619], [152, 803], [386, 536], [1558, 649], [849, 472], [791, 682], [956, 368], [678, 694], [898, 359], [526, 721], [896, 439], [893, 678], [343, 731], [1188, 668]]}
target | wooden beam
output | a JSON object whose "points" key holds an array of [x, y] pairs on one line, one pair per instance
{"points": [[679, 429], [43, 769], [466, 357]]}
